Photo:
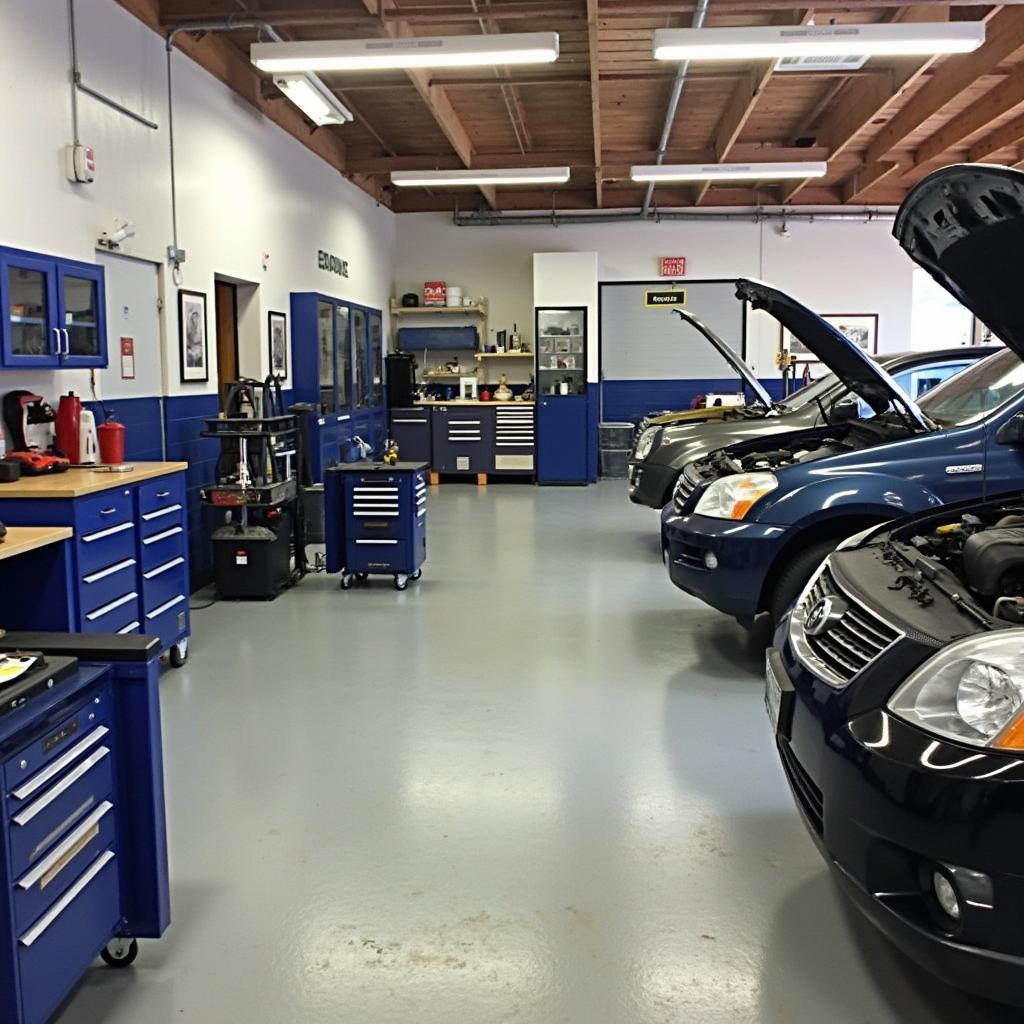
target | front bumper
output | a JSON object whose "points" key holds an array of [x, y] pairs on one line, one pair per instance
{"points": [[649, 483], [887, 804], [744, 553]]}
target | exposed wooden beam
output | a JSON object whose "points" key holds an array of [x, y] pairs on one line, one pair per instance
{"points": [[865, 178], [433, 96], [594, 52], [1000, 138]]}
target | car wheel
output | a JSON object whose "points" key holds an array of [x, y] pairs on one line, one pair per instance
{"points": [[794, 577]]}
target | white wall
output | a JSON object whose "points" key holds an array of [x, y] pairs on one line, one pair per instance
{"points": [[835, 267], [245, 187]]}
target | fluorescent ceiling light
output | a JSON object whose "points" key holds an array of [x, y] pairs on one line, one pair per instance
{"points": [[410, 52], [728, 172], [473, 176], [752, 43], [314, 99]]}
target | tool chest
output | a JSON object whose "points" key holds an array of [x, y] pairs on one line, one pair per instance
{"points": [[83, 860], [376, 521]]}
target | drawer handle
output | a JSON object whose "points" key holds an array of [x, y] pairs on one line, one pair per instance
{"points": [[376, 543], [32, 936], [47, 870], [108, 608], [54, 769], [104, 573], [166, 606], [25, 816], [161, 512], [89, 538], [162, 536], [163, 494], [107, 511], [130, 628], [163, 568]]}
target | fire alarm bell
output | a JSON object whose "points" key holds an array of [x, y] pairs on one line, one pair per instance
{"points": [[81, 163]]}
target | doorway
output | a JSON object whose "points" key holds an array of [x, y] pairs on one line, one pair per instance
{"points": [[226, 312]]}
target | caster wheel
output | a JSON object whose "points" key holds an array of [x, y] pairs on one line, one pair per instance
{"points": [[362, 576], [178, 654], [347, 580], [416, 575], [401, 581], [120, 952]]}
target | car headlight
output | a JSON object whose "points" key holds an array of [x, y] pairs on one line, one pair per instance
{"points": [[732, 497], [646, 443], [971, 691]]}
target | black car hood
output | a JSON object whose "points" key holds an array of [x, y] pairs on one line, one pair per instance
{"points": [[729, 355], [851, 364], [965, 225]]}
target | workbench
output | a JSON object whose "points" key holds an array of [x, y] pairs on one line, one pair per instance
{"points": [[37, 590], [126, 566], [83, 854]]}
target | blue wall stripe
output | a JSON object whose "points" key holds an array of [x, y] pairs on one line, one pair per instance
{"points": [[631, 400]]}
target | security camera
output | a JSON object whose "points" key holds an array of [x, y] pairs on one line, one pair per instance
{"points": [[121, 230]]}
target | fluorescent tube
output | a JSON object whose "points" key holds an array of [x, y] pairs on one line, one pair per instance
{"points": [[313, 99], [474, 176], [755, 42], [727, 172], [407, 52]]}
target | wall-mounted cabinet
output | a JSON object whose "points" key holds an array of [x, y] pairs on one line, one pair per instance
{"points": [[338, 367], [53, 312]]}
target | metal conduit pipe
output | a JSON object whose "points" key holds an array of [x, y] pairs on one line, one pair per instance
{"points": [[673, 104], [491, 220]]}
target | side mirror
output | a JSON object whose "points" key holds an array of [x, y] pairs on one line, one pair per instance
{"points": [[1012, 431], [844, 409]]}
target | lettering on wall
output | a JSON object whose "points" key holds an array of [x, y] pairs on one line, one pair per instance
{"points": [[664, 298], [331, 263]]}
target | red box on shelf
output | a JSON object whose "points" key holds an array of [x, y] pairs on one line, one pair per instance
{"points": [[435, 293]]}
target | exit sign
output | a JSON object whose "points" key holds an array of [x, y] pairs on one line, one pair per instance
{"points": [[673, 266]]}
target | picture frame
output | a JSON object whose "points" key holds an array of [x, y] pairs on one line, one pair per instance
{"points": [[193, 337], [277, 344], [860, 328]]}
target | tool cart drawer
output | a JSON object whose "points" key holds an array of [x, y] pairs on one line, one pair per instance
{"points": [[98, 512], [55, 950], [167, 620], [163, 582], [103, 548], [45, 820], [158, 498], [28, 772], [378, 556], [162, 547], [55, 872], [114, 616], [514, 439], [104, 585], [463, 439]]}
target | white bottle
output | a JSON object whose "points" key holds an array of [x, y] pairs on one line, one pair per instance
{"points": [[3, 442]]}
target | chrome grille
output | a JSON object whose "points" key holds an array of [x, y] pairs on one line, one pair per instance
{"points": [[848, 646], [685, 486]]}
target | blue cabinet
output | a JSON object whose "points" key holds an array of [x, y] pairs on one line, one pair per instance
{"points": [[462, 439], [410, 428], [562, 440], [338, 367], [53, 312]]}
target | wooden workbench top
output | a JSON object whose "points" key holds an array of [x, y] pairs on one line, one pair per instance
{"points": [[20, 539], [470, 401], [75, 483]]}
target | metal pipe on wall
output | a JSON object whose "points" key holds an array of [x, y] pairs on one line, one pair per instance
{"points": [[556, 220], [673, 104]]}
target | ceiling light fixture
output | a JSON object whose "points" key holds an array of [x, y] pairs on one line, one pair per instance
{"points": [[408, 52], [475, 176], [314, 99], [755, 42], [727, 172]]}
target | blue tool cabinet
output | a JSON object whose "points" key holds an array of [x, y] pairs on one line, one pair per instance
{"points": [[83, 862], [129, 562], [376, 521]]}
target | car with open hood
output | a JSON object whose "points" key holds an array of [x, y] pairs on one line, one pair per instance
{"points": [[750, 524], [660, 453]]}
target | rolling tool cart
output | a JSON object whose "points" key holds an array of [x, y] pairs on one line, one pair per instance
{"points": [[257, 488], [376, 521]]}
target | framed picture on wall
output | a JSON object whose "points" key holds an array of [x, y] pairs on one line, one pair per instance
{"points": [[860, 328], [193, 341], [277, 339]]}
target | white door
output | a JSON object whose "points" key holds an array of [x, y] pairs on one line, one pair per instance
{"points": [[133, 329]]}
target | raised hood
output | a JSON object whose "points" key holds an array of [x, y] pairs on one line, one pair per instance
{"points": [[850, 363], [730, 356], [965, 225]]}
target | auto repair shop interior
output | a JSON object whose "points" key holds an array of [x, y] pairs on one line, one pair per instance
{"points": [[511, 511]]}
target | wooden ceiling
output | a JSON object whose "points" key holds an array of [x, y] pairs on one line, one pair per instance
{"points": [[602, 106]]}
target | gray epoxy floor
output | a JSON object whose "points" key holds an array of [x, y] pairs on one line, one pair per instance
{"points": [[537, 787]]}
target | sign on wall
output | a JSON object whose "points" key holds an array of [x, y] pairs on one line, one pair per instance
{"points": [[673, 266], [675, 297], [127, 358], [331, 263]]}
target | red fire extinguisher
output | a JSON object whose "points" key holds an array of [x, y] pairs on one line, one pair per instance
{"points": [[111, 436]]}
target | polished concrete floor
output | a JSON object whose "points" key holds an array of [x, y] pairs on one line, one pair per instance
{"points": [[538, 787]]}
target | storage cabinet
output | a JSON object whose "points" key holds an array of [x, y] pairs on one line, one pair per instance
{"points": [[410, 428], [562, 431], [514, 434], [53, 312], [462, 439]]}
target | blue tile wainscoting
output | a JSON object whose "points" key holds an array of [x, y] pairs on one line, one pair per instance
{"points": [[143, 440], [631, 400]]}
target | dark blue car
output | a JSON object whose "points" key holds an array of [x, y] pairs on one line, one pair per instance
{"points": [[750, 524]]}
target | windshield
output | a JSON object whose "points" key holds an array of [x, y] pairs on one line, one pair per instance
{"points": [[811, 392], [970, 396]]}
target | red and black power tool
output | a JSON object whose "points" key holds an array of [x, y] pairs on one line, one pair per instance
{"points": [[30, 425]]}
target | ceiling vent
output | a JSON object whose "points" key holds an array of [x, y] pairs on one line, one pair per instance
{"points": [[822, 62]]}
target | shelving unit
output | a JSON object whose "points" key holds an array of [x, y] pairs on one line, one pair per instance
{"points": [[504, 355], [478, 309]]}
